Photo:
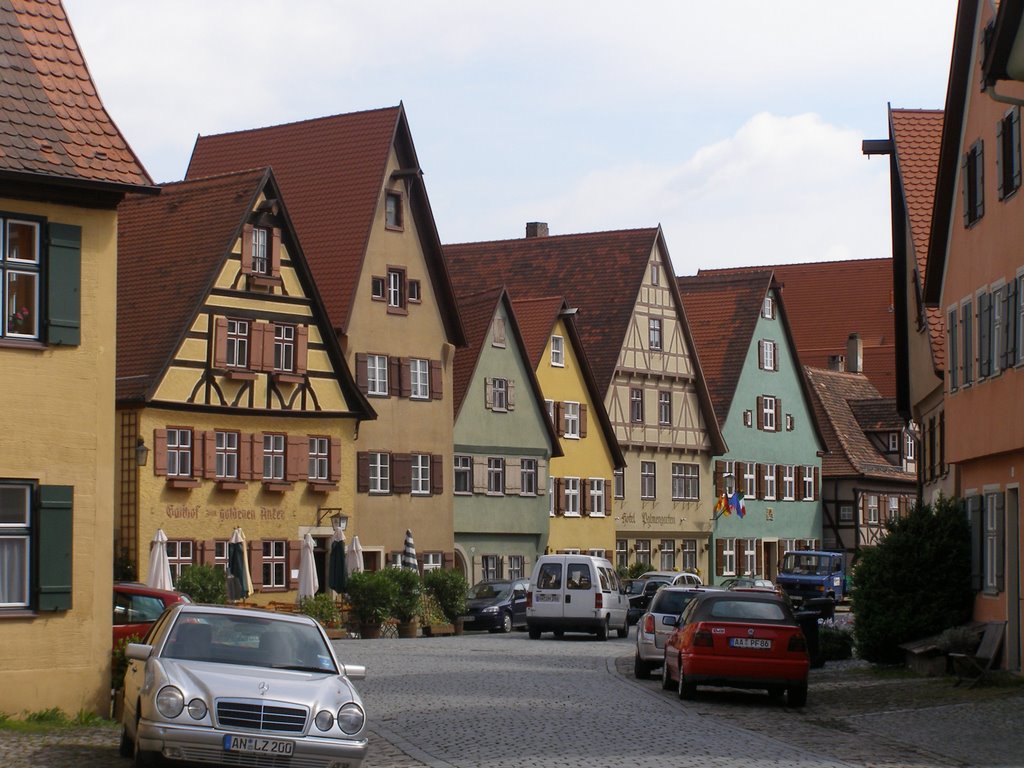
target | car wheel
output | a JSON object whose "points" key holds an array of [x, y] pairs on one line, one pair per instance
{"points": [[624, 629], [796, 695], [534, 633], [640, 669], [686, 690], [602, 631], [125, 748], [506, 622], [666, 678], [143, 759]]}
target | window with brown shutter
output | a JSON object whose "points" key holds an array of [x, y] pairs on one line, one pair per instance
{"points": [[160, 451], [719, 557], [436, 380], [559, 494], [488, 394], [510, 395], [394, 376], [816, 473], [760, 412], [405, 377], [436, 474], [220, 342], [583, 420], [247, 249], [362, 380], [760, 481], [719, 479], [363, 472], [401, 473], [297, 458], [560, 418], [334, 471]]}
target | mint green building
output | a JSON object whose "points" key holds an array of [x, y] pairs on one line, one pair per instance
{"points": [[504, 441], [768, 482]]}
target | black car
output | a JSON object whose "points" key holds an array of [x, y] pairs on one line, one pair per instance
{"points": [[496, 606], [640, 593]]}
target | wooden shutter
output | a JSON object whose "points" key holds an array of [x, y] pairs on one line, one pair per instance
{"points": [[362, 378], [394, 376], [160, 452], [817, 478], [1012, 316], [513, 475], [404, 377], [738, 551], [275, 252], [488, 394], [207, 550], [363, 472], [780, 473], [209, 452], [559, 496], [979, 181], [247, 249], [256, 563], [778, 414], [479, 475], [294, 555], [974, 518], [296, 458], [799, 479], [560, 418], [256, 348], [56, 547], [256, 466], [584, 486], [436, 380], [965, 195], [759, 480], [1000, 563], [760, 412], [245, 451], [984, 335], [999, 160], [542, 476], [401, 473], [220, 342], [301, 348], [758, 558], [719, 557], [775, 355], [448, 558], [436, 474], [583, 420], [334, 462], [719, 479], [64, 286], [1015, 144], [510, 396], [760, 354]]}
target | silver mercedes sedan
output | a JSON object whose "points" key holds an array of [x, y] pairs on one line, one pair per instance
{"points": [[233, 686]]}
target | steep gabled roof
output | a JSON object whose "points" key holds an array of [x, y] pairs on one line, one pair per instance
{"points": [[827, 301], [599, 273], [835, 395], [171, 248], [917, 137], [537, 318], [477, 313], [53, 125], [331, 169]]}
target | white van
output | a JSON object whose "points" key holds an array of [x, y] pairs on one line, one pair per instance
{"points": [[575, 593]]}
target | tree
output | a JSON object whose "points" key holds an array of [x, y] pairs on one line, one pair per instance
{"points": [[915, 583]]}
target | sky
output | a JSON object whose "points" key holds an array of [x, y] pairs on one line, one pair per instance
{"points": [[736, 126]]}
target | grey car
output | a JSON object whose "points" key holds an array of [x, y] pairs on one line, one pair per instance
{"points": [[223, 685], [657, 624]]}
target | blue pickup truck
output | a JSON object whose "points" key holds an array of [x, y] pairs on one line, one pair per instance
{"points": [[808, 574]]}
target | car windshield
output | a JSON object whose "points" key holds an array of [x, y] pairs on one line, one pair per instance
{"points": [[746, 610], [248, 640], [670, 601], [493, 589], [805, 564]]}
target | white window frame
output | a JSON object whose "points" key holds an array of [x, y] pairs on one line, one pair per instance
{"points": [[275, 564], [642, 551], [992, 541], [499, 394], [528, 477], [179, 452], [789, 482], [685, 482], [871, 507], [597, 505], [846, 513], [894, 442], [665, 408], [396, 289], [419, 379], [274, 462], [654, 335], [621, 553], [894, 507], [420, 470], [729, 557], [910, 444], [655, 274], [769, 482], [260, 251], [768, 308], [557, 351], [237, 343], [226, 455], [808, 483], [377, 375], [432, 561], [284, 348], [180, 555], [462, 467], [516, 567], [750, 557], [16, 545], [571, 496], [768, 355], [380, 472], [619, 479], [319, 459], [636, 405], [688, 554], [750, 479], [768, 413], [17, 269], [648, 480], [571, 418], [495, 476], [667, 555]]}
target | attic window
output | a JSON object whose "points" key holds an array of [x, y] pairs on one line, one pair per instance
{"points": [[377, 288], [768, 308], [414, 291], [393, 218]]}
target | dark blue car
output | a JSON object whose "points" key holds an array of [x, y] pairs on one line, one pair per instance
{"points": [[496, 606]]}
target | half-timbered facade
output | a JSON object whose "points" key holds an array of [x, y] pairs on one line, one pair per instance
{"points": [[769, 480], [635, 333], [235, 406], [360, 207]]}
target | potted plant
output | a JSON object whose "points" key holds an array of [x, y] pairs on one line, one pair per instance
{"points": [[372, 594], [323, 608], [449, 590], [406, 604]]}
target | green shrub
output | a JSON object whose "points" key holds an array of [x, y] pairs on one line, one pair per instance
{"points": [[636, 570], [52, 716], [322, 608], [372, 595], [834, 643], [430, 611], [449, 589], [915, 583], [204, 584], [119, 662], [408, 586]]}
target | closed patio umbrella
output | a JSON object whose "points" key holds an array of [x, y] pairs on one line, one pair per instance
{"points": [[409, 552], [159, 574], [337, 576], [238, 564], [308, 581], [355, 556]]}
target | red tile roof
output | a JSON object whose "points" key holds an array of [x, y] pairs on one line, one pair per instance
{"points": [[917, 137], [829, 300], [52, 122], [723, 312], [835, 397], [331, 170]]}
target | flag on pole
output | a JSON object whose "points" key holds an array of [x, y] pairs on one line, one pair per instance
{"points": [[736, 502], [722, 506]]}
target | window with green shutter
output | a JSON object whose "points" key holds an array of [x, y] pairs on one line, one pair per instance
{"points": [[55, 531]]}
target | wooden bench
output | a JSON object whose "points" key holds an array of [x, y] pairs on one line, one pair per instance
{"points": [[975, 666]]}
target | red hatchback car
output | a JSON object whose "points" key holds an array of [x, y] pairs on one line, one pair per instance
{"points": [[738, 640], [137, 606]]}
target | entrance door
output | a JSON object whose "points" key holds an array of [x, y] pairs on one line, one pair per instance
{"points": [[771, 559], [321, 547]]}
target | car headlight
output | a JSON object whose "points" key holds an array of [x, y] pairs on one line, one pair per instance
{"points": [[491, 609], [351, 718], [170, 701], [197, 709], [324, 720]]}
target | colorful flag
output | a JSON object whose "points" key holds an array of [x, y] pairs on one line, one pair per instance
{"points": [[722, 506], [736, 502]]}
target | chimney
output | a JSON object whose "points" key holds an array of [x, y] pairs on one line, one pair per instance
{"points": [[854, 354], [536, 229], [836, 363]]}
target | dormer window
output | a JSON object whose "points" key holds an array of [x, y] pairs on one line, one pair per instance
{"points": [[261, 255], [894, 442], [393, 218], [396, 290], [557, 351], [768, 308]]}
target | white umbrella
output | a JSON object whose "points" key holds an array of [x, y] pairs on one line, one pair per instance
{"points": [[159, 574], [409, 552], [355, 556], [308, 581]]}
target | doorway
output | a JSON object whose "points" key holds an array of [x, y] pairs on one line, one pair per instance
{"points": [[771, 559]]}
